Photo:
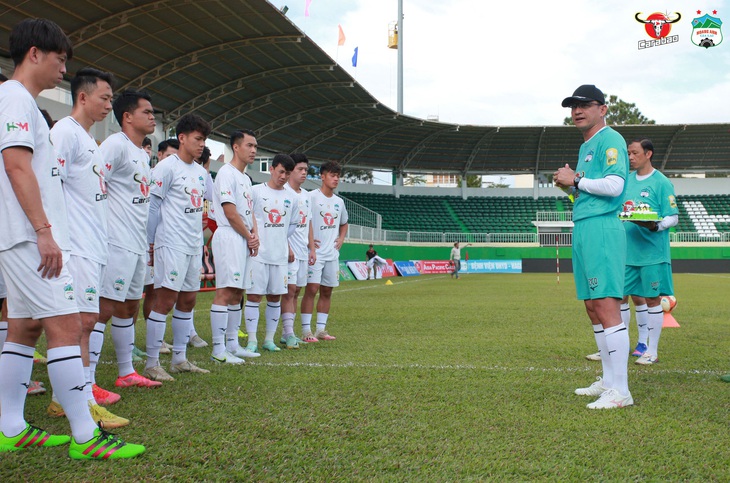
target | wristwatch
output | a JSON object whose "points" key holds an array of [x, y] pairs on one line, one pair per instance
{"points": [[576, 180]]}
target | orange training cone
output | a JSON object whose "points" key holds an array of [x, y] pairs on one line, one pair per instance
{"points": [[669, 321]]}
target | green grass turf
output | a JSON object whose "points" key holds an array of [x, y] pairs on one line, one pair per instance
{"points": [[429, 379]]}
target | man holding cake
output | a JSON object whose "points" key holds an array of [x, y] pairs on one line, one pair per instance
{"points": [[599, 240], [650, 209]]}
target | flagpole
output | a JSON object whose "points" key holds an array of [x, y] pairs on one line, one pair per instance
{"points": [[400, 56]]}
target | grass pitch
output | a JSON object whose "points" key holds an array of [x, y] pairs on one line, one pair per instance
{"points": [[429, 379]]}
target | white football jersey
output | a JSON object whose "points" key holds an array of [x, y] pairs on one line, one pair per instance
{"points": [[128, 181], [84, 187], [274, 211], [328, 214], [299, 240], [232, 186], [22, 124], [181, 187]]}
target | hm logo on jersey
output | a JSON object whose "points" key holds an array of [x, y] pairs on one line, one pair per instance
{"points": [[17, 126]]}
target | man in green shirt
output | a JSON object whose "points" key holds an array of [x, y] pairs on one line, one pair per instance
{"points": [[648, 263], [599, 240]]}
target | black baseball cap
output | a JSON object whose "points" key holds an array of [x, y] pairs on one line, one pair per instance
{"points": [[585, 93]]}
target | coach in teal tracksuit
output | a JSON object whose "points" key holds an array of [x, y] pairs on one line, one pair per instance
{"points": [[599, 240]]}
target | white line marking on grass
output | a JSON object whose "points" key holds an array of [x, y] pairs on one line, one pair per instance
{"points": [[467, 367], [413, 280], [711, 275]]}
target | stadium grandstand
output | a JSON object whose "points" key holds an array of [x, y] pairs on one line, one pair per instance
{"points": [[252, 67]]}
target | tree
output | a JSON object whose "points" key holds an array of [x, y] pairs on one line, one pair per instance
{"points": [[353, 175], [619, 113], [472, 181], [414, 180]]}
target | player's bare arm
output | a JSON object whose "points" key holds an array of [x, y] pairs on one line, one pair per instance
{"points": [[25, 185]]}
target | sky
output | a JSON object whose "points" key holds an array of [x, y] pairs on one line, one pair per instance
{"points": [[490, 62]]}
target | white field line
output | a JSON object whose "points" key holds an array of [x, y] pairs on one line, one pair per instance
{"points": [[369, 287], [711, 275]]}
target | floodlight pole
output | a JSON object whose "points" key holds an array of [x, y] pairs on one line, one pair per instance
{"points": [[400, 56]]}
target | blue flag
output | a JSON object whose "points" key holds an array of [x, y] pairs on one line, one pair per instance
{"points": [[354, 58]]}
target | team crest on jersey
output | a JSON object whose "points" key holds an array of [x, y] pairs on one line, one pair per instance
{"points": [[144, 184], [236, 276], [611, 156], [645, 193], [68, 291], [274, 216], [90, 294], [173, 275], [102, 181], [196, 197], [119, 284], [287, 204], [328, 218], [589, 157]]}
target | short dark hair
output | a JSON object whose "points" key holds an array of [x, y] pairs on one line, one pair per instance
{"points": [[330, 167], [205, 157], [190, 123], [238, 135], [168, 143], [284, 160], [299, 158], [3, 78], [87, 77], [146, 142], [128, 101], [646, 145], [41, 33]]}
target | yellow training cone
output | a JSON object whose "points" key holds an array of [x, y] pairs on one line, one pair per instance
{"points": [[388, 283]]}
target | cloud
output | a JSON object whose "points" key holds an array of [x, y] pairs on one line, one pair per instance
{"points": [[512, 63]]}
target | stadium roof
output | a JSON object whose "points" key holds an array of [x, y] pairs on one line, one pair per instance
{"points": [[243, 64]]}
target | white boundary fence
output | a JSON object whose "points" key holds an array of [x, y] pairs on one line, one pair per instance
{"points": [[366, 226]]}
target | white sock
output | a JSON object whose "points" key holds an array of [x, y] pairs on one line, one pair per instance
{"points": [[321, 321], [306, 323], [218, 323], [88, 388], [600, 336], [287, 322], [123, 338], [67, 378], [642, 322], [656, 322], [626, 314], [232, 327], [16, 364], [3, 333], [181, 324], [273, 311], [96, 342], [617, 343], [193, 333], [251, 314], [156, 324]]}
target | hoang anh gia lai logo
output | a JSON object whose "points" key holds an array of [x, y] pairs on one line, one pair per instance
{"points": [[658, 27], [706, 30]]}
